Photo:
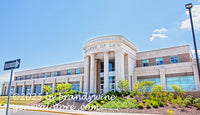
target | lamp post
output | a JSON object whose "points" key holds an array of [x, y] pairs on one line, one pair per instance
{"points": [[189, 6]]}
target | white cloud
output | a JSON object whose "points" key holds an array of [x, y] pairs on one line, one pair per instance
{"points": [[193, 53], [158, 33], [195, 17]]}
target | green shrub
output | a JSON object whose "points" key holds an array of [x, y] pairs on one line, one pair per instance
{"points": [[90, 104], [197, 100], [148, 105], [140, 105], [155, 104], [170, 96], [87, 107], [43, 98], [135, 101], [102, 102], [133, 92], [187, 102], [161, 104], [57, 99], [124, 106], [197, 105], [2, 103], [190, 97], [71, 92], [48, 102], [95, 102], [179, 100], [173, 101]]}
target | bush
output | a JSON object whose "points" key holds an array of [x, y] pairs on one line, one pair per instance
{"points": [[102, 102], [191, 98], [155, 104], [124, 106], [173, 101], [48, 102], [197, 100], [140, 105], [148, 105], [2, 103], [133, 92], [187, 102], [71, 92], [95, 102], [43, 98], [161, 104], [170, 96], [144, 101], [197, 105], [87, 107]]}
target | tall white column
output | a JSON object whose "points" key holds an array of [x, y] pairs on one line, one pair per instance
{"points": [[95, 77], [106, 72], [130, 72], [196, 77], [32, 87], [42, 84], [163, 78], [15, 87], [66, 80], [23, 88], [92, 73], [81, 84], [86, 74], [53, 85]]}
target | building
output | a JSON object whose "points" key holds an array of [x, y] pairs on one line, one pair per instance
{"points": [[107, 60]]}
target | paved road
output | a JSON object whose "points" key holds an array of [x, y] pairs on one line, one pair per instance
{"points": [[22, 112]]}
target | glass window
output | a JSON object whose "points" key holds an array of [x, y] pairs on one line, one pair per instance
{"points": [[102, 65], [21, 77], [187, 82], [37, 90], [111, 83], [12, 91], [68, 72], [51, 74], [145, 62], [76, 71], [28, 90], [58, 73], [75, 87], [26, 77], [16, 78], [111, 65], [174, 59], [32, 76], [39, 75], [159, 61], [45, 75]]}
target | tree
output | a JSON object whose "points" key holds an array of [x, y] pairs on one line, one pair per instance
{"points": [[179, 91], [63, 87], [47, 90], [123, 86]]}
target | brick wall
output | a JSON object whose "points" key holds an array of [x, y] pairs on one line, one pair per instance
{"points": [[152, 61], [184, 57], [139, 63]]}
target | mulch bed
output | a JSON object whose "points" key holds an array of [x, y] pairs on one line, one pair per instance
{"points": [[161, 110]]}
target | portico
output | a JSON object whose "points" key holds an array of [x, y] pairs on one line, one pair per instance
{"points": [[108, 59]]}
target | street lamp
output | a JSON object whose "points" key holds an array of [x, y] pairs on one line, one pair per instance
{"points": [[189, 6]]}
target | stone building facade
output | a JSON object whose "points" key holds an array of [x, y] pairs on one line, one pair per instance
{"points": [[107, 60]]}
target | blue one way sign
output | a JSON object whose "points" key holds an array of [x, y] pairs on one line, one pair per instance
{"points": [[14, 64]]}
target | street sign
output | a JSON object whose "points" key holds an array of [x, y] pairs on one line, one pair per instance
{"points": [[10, 65], [14, 64]]}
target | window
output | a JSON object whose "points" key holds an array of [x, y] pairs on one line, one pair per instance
{"points": [[145, 62], [159, 61], [21, 77], [111, 65], [51, 74], [75, 87], [58, 73], [16, 78], [45, 75], [68, 72], [32, 76], [76, 71], [26, 77], [187, 82], [174, 59], [39, 75], [112, 83]]}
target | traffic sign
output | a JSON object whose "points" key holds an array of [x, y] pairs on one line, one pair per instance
{"points": [[14, 64]]}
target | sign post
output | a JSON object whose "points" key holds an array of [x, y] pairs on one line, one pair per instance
{"points": [[10, 65]]}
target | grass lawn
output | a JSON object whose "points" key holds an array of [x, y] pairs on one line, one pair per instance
{"points": [[20, 100]]}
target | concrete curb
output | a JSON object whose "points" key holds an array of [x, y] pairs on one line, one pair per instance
{"points": [[47, 111]]}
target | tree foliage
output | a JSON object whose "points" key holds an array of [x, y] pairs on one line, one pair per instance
{"points": [[63, 87], [47, 89], [123, 86]]}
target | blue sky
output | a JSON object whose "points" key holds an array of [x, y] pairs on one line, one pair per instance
{"points": [[52, 32]]}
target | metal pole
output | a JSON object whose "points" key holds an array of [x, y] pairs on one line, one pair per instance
{"points": [[8, 102], [194, 40]]}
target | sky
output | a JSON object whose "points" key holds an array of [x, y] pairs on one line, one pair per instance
{"points": [[50, 32]]}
